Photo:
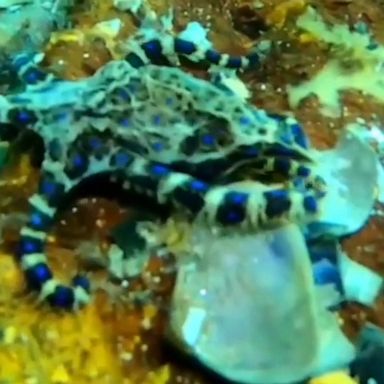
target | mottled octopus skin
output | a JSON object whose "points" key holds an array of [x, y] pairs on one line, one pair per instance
{"points": [[164, 134]]}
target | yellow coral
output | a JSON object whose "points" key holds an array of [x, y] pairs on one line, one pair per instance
{"points": [[160, 376], [12, 280], [19, 175], [334, 378], [278, 15], [60, 375]]}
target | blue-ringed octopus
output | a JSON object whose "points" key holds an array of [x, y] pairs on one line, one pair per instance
{"points": [[182, 141]]}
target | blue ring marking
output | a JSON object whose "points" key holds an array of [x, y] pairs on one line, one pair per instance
{"points": [[208, 140], [303, 171], [213, 56], [278, 202], [63, 297], [82, 281], [25, 117], [123, 94], [299, 135], [134, 60], [50, 189], [125, 122], [34, 75], [37, 275], [245, 121], [77, 165], [188, 197], [96, 143], [152, 48], [29, 245], [21, 116], [199, 186], [78, 161], [310, 204], [238, 198], [325, 272], [121, 159], [160, 170], [184, 47], [234, 62], [158, 146], [233, 208], [39, 221]]}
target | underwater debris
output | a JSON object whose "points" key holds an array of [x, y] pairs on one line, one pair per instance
{"points": [[224, 311], [349, 203], [356, 64]]}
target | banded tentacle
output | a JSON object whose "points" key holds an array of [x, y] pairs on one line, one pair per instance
{"points": [[193, 52], [253, 204], [155, 42], [158, 44], [155, 50], [32, 257], [87, 157]]}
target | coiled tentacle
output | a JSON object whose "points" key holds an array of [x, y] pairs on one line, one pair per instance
{"points": [[88, 156], [31, 251]]}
